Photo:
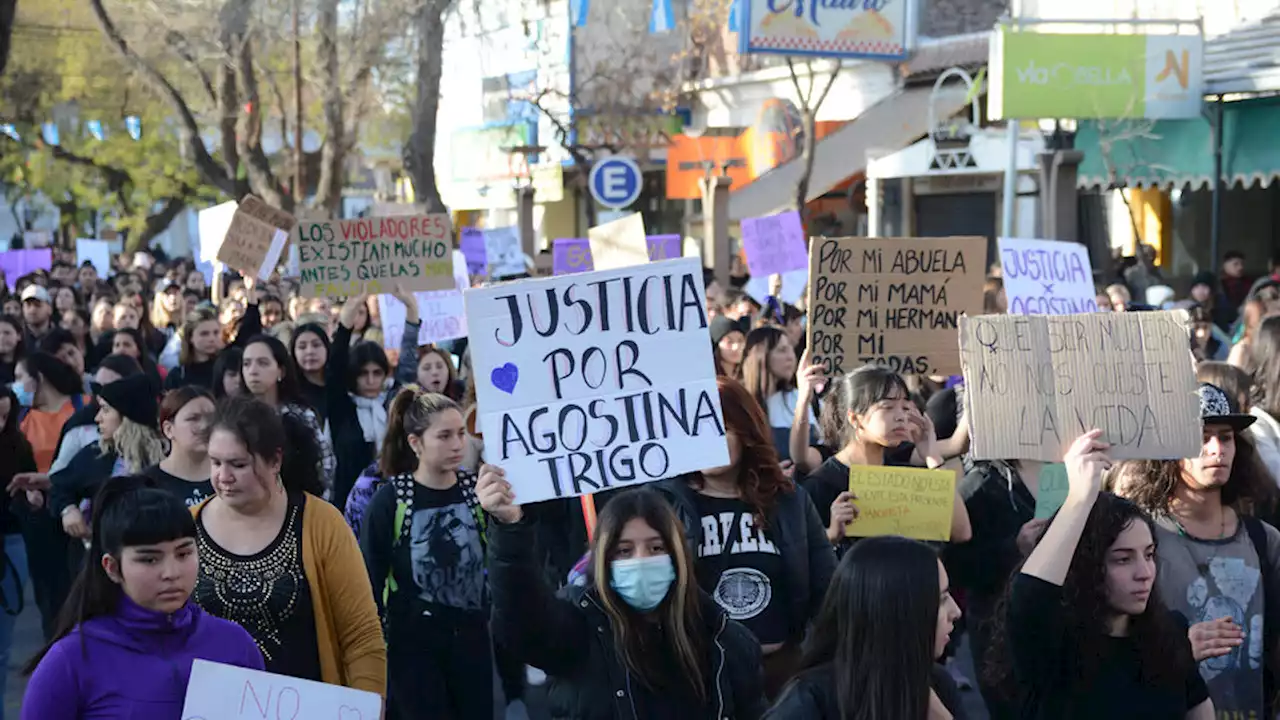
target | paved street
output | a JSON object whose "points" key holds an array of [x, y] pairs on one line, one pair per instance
{"points": [[26, 641]]}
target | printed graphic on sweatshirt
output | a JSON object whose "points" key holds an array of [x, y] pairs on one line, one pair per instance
{"points": [[744, 590], [448, 560]]}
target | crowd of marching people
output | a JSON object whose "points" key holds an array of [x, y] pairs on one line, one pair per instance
{"points": [[253, 478]]}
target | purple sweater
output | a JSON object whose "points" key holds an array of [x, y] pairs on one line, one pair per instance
{"points": [[133, 664]]}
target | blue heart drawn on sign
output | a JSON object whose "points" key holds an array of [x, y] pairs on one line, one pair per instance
{"points": [[504, 378]]}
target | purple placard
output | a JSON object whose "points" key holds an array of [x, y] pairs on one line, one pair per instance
{"points": [[472, 247], [16, 263], [774, 244], [665, 247], [571, 255]]}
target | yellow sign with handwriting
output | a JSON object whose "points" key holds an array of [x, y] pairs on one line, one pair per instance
{"points": [[911, 502]]}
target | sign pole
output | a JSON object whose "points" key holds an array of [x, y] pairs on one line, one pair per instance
{"points": [[1010, 195], [589, 514]]}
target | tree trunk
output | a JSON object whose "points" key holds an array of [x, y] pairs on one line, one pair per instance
{"points": [[333, 155], [8, 11], [809, 127], [419, 153]]}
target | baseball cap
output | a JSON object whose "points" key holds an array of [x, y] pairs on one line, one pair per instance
{"points": [[35, 292]]}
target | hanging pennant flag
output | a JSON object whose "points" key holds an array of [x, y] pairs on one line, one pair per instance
{"points": [[11, 131], [735, 16], [133, 124], [95, 129], [663, 18], [578, 10], [50, 133]]}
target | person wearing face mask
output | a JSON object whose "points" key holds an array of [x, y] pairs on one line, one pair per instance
{"points": [[638, 640], [1219, 567], [869, 416], [1083, 632], [359, 385], [131, 633], [184, 419], [762, 552], [280, 561], [886, 619], [424, 546]]}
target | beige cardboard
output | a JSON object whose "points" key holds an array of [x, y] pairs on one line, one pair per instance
{"points": [[252, 231], [892, 301], [619, 244], [344, 258], [1034, 383]]}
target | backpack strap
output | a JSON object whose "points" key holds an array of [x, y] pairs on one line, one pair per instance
{"points": [[403, 485], [1257, 531]]}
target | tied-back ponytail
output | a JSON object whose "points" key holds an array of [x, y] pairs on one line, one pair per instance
{"points": [[411, 413], [857, 392]]}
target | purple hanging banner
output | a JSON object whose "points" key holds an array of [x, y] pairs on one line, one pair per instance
{"points": [[571, 255], [472, 246], [665, 247]]}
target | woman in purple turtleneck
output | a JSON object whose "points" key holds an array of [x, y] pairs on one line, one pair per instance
{"points": [[129, 632]]}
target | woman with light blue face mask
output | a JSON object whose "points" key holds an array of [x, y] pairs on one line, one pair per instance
{"points": [[638, 640]]}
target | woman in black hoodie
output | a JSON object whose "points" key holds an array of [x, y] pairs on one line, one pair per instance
{"points": [[761, 551]]}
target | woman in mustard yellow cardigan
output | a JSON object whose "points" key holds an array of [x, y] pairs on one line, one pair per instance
{"points": [[280, 561]]}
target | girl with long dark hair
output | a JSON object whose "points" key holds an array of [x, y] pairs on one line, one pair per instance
{"points": [[127, 638], [310, 347], [184, 421], [1084, 633], [869, 416], [11, 346], [423, 539], [268, 374], [761, 551], [1264, 368], [638, 639], [769, 373], [280, 561], [874, 646], [227, 370]]}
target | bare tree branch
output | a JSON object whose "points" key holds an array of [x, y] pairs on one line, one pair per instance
{"points": [[182, 47], [189, 129]]}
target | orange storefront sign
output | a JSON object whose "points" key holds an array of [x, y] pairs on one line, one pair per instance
{"points": [[746, 154]]}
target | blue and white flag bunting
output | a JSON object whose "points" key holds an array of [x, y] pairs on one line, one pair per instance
{"points": [[735, 16], [663, 18], [11, 131], [578, 10], [133, 124], [50, 133], [95, 129]]}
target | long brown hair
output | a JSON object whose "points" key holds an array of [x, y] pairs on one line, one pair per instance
{"points": [[1250, 488], [451, 385], [411, 413], [679, 614], [756, 376], [760, 478]]}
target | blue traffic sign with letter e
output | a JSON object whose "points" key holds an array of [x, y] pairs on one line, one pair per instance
{"points": [[615, 182]]}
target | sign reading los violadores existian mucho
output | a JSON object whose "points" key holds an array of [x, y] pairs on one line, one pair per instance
{"points": [[892, 301], [343, 258], [592, 381]]}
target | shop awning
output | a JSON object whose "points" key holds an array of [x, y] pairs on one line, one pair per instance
{"points": [[1179, 153], [889, 125]]}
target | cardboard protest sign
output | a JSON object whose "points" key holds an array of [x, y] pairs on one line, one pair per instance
{"points": [[223, 692], [502, 252], [16, 263], [774, 244], [1034, 383], [472, 245], [911, 502], [1052, 490], [342, 258], [441, 312], [571, 255], [892, 301], [594, 381], [95, 252], [255, 238], [619, 243], [1047, 277]]}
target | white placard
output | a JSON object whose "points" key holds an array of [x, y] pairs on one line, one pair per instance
{"points": [[97, 252], [442, 312], [611, 386], [502, 252], [794, 283], [212, 225], [226, 692], [1047, 277]]}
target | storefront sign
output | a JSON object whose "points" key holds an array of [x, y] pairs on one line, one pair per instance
{"points": [[1043, 75], [852, 29]]}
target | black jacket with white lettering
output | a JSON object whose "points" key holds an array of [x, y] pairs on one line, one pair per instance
{"points": [[794, 526], [570, 637]]}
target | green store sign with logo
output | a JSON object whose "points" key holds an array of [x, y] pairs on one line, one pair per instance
{"points": [[1048, 75]]}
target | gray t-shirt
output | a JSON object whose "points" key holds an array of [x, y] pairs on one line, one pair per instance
{"points": [[1211, 579]]}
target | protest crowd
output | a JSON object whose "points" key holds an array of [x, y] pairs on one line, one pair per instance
{"points": [[706, 502]]}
